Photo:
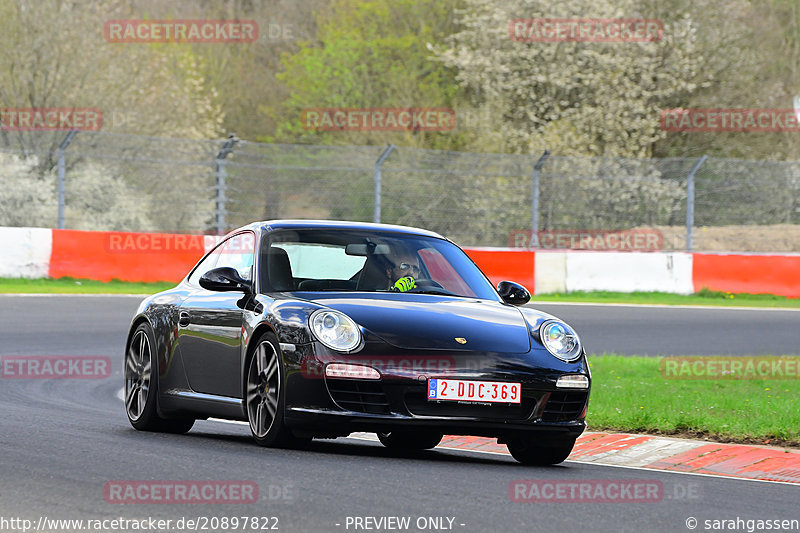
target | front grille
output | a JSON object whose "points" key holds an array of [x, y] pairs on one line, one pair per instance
{"points": [[417, 403], [358, 395], [564, 406]]}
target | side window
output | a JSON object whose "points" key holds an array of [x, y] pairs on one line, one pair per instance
{"points": [[205, 265], [237, 253]]}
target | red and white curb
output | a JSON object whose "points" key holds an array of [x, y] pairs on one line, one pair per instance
{"points": [[761, 463], [669, 454], [741, 461]]}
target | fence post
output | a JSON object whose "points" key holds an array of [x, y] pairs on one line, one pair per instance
{"points": [[376, 209], [535, 194], [61, 176], [690, 203], [219, 210]]}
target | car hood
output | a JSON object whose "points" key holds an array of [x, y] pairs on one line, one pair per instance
{"points": [[429, 322]]}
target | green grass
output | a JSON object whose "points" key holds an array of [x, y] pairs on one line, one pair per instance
{"points": [[703, 297], [630, 394], [76, 286]]}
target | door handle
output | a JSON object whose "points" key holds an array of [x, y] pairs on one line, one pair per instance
{"points": [[183, 319]]}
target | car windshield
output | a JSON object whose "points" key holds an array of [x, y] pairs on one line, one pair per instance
{"points": [[350, 260]]}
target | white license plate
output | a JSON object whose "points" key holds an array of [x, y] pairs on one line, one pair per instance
{"points": [[474, 391]]}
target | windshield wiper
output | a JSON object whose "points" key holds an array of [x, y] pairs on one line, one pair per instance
{"points": [[437, 291]]}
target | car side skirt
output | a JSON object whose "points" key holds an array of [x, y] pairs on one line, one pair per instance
{"points": [[175, 402]]}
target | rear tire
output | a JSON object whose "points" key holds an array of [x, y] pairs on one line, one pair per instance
{"points": [[265, 396], [528, 453], [141, 386], [410, 440]]}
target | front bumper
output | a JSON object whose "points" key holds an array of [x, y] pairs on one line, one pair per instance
{"points": [[337, 407], [329, 423]]}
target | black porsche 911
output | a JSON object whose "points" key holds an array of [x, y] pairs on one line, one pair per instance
{"points": [[319, 329]]}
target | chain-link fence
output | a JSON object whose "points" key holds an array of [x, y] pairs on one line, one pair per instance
{"points": [[103, 181]]}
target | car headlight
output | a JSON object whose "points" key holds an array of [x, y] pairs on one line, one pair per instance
{"points": [[335, 330], [560, 340]]}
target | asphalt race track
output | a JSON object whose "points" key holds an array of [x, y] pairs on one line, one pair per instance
{"points": [[63, 440], [669, 330], [93, 325]]}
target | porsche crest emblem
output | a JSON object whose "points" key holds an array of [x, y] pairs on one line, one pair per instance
{"points": [[461, 340]]}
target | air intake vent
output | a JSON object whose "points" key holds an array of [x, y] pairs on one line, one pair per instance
{"points": [[564, 406], [358, 395]]}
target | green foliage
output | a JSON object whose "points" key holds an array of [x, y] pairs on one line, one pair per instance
{"points": [[52, 55], [370, 54], [574, 98]]}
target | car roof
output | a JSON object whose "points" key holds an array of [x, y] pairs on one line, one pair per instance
{"points": [[272, 225]]}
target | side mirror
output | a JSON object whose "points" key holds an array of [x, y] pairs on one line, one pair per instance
{"points": [[513, 293], [224, 279]]}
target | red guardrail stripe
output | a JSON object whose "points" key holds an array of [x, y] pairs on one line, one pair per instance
{"points": [[103, 255], [168, 257], [506, 265], [770, 274]]}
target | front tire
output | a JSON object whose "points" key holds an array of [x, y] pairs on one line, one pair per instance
{"points": [[528, 453], [141, 386], [265, 396], [410, 440]]}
